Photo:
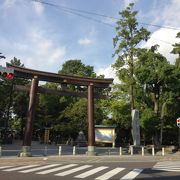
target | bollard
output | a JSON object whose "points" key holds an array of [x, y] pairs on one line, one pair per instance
{"points": [[131, 149], [45, 150], [163, 152], [142, 150], [0, 151], [120, 151], [109, 152], [153, 151], [74, 150], [60, 150]]}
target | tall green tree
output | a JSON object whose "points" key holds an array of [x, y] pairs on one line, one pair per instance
{"points": [[13, 105], [19, 100], [158, 79], [129, 36], [76, 67], [176, 50]]}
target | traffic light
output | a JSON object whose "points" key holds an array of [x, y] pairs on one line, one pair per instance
{"points": [[6, 73], [178, 122]]}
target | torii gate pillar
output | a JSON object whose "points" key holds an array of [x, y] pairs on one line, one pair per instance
{"points": [[26, 148], [91, 130]]}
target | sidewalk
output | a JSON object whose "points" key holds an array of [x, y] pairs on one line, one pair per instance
{"points": [[85, 158]]}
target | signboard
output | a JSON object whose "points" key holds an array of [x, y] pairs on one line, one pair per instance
{"points": [[178, 122], [105, 134]]}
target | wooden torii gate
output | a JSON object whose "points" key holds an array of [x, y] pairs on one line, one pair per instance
{"points": [[37, 76]]}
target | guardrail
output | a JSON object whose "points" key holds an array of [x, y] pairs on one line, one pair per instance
{"points": [[48, 150]]}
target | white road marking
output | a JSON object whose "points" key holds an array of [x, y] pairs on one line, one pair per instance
{"points": [[132, 174], [166, 169], [90, 172], [19, 168], [4, 167], [173, 166], [39, 168], [57, 169], [73, 170], [110, 174]]}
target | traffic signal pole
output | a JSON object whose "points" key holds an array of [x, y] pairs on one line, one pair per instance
{"points": [[26, 149]]}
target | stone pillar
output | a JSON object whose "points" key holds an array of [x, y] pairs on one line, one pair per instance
{"points": [[26, 149], [91, 129], [135, 127]]}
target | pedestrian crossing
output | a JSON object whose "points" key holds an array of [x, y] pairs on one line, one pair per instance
{"points": [[172, 166], [76, 171]]}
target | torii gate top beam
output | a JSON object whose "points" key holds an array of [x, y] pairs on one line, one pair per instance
{"points": [[59, 78]]}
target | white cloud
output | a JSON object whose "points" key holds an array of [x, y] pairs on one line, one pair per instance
{"points": [[38, 7], [170, 14], [164, 38], [167, 16], [9, 3], [126, 2], [37, 51], [108, 72], [45, 52], [85, 41]]}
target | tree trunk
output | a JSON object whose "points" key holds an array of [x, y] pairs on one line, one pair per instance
{"points": [[162, 122], [131, 67]]}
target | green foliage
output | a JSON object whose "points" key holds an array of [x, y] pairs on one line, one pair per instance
{"points": [[13, 105], [149, 121], [76, 115], [121, 113], [76, 67], [176, 50], [129, 36]]}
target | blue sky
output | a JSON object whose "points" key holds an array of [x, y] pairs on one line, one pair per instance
{"points": [[44, 37]]}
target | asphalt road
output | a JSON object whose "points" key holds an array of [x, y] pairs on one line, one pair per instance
{"points": [[100, 168]]}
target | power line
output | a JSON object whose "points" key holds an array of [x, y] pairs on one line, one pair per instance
{"points": [[70, 11], [73, 11], [161, 40], [87, 17], [101, 15]]}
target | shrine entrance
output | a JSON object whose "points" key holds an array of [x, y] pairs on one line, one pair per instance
{"points": [[64, 80]]}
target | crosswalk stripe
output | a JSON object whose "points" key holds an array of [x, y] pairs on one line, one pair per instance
{"points": [[172, 166], [166, 169], [90, 172], [73, 170], [110, 174], [39, 168], [4, 167], [169, 162], [57, 169], [19, 168], [132, 174]]}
